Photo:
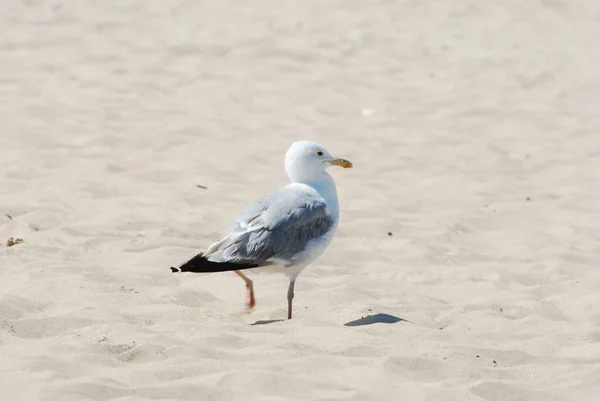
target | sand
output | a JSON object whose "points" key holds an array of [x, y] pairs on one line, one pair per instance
{"points": [[473, 128]]}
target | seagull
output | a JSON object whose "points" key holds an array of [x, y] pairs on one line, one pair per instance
{"points": [[284, 231]]}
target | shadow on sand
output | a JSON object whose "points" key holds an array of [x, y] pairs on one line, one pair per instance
{"points": [[377, 318], [363, 321], [259, 322]]}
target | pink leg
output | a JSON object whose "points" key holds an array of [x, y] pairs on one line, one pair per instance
{"points": [[249, 287]]}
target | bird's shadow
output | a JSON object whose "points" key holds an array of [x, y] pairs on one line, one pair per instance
{"points": [[363, 321], [261, 322], [377, 318]]}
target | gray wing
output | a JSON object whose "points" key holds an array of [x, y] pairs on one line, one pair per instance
{"points": [[277, 226]]}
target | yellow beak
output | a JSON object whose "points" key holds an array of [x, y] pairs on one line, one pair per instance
{"points": [[341, 162]]}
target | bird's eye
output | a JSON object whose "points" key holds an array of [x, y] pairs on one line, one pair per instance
{"points": [[319, 153]]}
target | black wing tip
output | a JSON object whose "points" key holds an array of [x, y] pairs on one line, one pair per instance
{"points": [[199, 264]]}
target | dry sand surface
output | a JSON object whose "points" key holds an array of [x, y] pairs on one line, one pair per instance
{"points": [[473, 128]]}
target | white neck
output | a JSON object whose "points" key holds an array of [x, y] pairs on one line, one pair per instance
{"points": [[323, 183]]}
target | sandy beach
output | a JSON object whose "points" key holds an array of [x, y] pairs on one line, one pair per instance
{"points": [[466, 263]]}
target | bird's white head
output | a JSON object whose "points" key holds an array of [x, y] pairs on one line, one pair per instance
{"points": [[306, 161]]}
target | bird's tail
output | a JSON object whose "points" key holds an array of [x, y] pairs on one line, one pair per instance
{"points": [[199, 264]]}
